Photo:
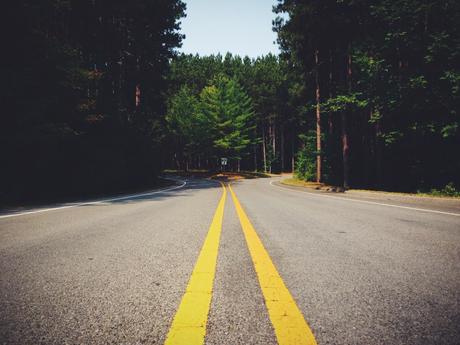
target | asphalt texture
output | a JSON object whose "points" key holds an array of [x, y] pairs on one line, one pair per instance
{"points": [[114, 272]]}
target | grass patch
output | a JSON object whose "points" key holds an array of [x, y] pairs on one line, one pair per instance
{"points": [[448, 191]]}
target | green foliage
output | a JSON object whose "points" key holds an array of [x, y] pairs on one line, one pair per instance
{"points": [[181, 113], [265, 97], [448, 190], [450, 130], [344, 102], [215, 124], [184, 123], [305, 166], [390, 70], [227, 110]]}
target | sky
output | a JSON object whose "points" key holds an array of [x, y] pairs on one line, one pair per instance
{"points": [[242, 27]]}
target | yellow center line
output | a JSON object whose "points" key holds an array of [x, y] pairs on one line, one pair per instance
{"points": [[189, 324], [286, 317]]}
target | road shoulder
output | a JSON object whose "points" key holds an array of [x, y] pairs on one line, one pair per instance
{"points": [[448, 205]]}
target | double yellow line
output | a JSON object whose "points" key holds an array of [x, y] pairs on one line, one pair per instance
{"points": [[189, 324]]}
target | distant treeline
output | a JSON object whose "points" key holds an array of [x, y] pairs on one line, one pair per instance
{"points": [[84, 86], [236, 108], [95, 97]]}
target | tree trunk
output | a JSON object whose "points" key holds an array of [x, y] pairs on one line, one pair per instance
{"points": [[255, 151], [255, 157], [138, 95], [331, 142], [270, 146], [264, 151], [378, 153], [282, 147], [345, 141], [329, 119], [318, 121], [238, 165], [177, 161], [368, 149], [345, 151]]}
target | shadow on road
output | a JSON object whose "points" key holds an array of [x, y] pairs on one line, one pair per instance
{"points": [[140, 196], [192, 184]]}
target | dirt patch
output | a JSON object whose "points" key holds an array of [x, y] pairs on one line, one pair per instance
{"points": [[313, 185]]}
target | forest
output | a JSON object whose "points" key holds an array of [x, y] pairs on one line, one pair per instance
{"points": [[97, 97]]}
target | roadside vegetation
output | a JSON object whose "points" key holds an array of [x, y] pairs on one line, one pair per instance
{"points": [[447, 192], [363, 95]]}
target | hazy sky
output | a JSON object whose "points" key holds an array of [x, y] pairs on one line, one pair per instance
{"points": [[242, 27]]}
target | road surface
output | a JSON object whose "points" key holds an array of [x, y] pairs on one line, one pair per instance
{"points": [[144, 269]]}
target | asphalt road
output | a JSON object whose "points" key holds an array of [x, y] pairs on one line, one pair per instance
{"points": [[116, 271]]}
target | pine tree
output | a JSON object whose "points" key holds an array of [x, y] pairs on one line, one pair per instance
{"points": [[226, 110]]}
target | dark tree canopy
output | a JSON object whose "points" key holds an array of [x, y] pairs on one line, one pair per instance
{"points": [[96, 98], [85, 86], [388, 74]]}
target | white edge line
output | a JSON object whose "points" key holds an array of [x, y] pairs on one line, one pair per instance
{"points": [[367, 202], [94, 202]]}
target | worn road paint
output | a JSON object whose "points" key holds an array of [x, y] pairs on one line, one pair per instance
{"points": [[189, 324], [287, 320]]}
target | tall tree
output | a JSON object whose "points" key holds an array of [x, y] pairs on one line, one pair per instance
{"points": [[227, 110], [381, 67], [86, 84]]}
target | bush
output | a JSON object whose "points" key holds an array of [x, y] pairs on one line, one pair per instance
{"points": [[448, 190], [305, 166]]}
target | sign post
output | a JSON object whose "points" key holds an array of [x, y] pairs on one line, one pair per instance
{"points": [[223, 163]]}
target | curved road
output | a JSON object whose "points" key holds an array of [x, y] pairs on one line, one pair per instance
{"points": [[115, 271]]}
